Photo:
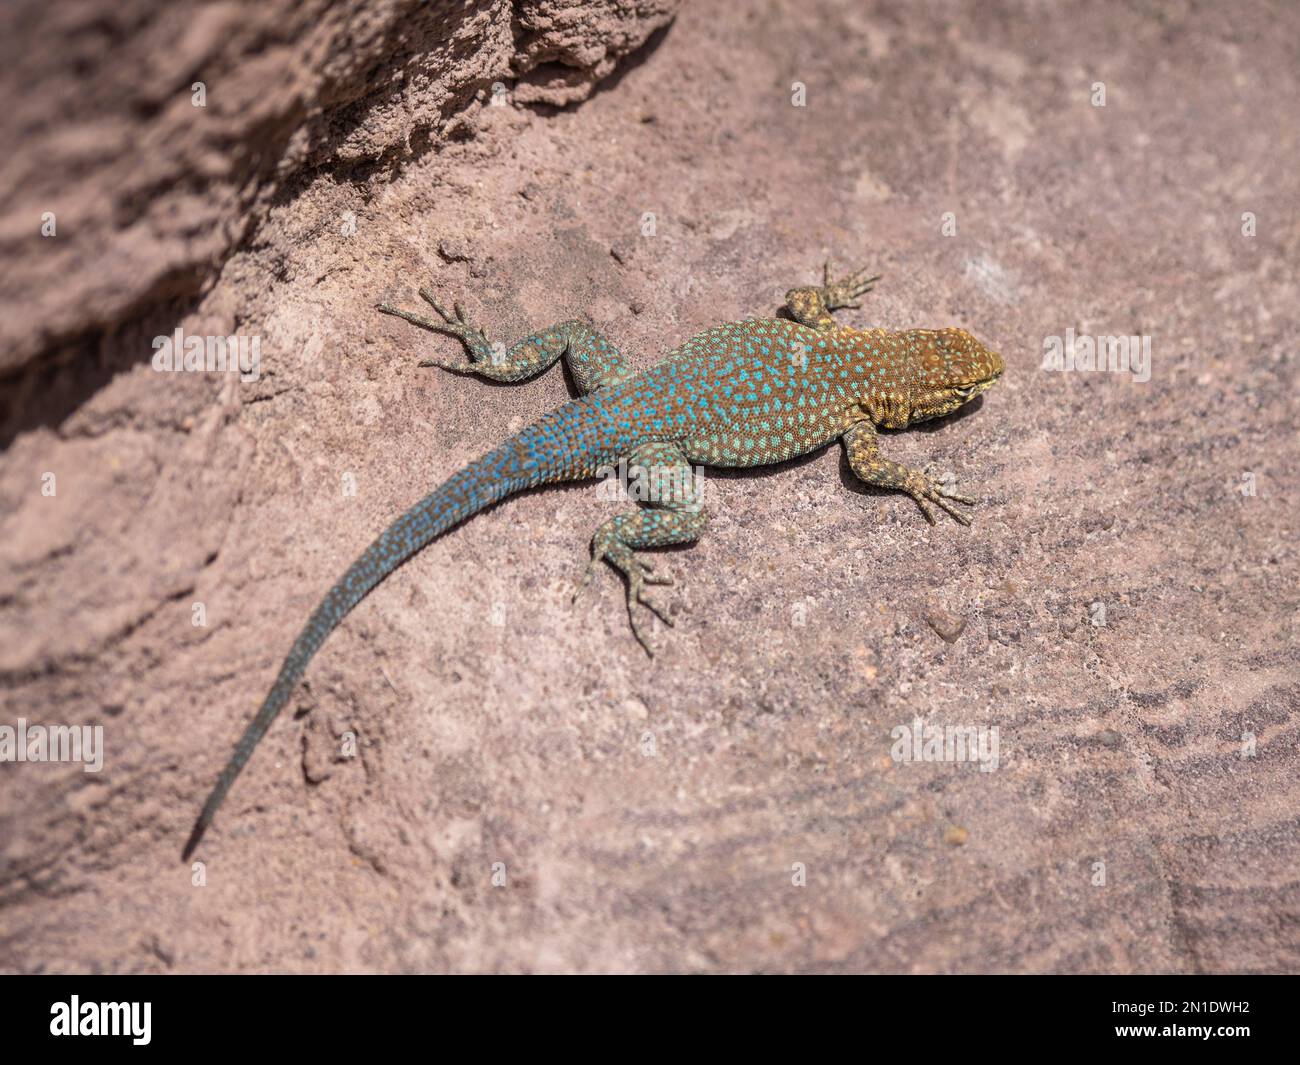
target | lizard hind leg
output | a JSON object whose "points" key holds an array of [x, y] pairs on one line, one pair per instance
{"points": [[592, 360], [674, 516]]}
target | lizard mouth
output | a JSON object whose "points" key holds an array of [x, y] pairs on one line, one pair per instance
{"points": [[965, 392], [996, 366]]}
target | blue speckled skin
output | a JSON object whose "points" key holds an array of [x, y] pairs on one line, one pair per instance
{"points": [[742, 394]]}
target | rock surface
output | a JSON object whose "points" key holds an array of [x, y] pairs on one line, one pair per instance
{"points": [[528, 790], [154, 138]]}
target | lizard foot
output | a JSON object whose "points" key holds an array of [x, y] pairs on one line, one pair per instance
{"points": [[638, 574], [922, 487], [837, 294], [454, 323]]}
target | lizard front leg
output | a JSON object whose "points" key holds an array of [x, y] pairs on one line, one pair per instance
{"points": [[860, 445], [676, 516], [592, 360], [812, 306]]}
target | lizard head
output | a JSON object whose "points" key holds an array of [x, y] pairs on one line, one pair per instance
{"points": [[950, 367]]}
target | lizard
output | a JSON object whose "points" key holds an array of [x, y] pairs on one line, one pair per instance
{"points": [[742, 394]]}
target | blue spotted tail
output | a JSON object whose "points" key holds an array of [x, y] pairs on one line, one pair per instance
{"points": [[541, 453]]}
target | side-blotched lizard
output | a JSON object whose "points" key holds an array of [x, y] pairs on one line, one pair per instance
{"points": [[744, 394]]}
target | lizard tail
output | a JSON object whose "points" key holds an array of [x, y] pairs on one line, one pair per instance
{"points": [[519, 463]]}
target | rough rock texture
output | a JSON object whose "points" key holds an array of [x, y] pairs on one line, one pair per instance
{"points": [[158, 134], [1125, 609]]}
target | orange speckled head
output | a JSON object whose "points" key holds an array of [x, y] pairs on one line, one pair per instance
{"points": [[950, 367]]}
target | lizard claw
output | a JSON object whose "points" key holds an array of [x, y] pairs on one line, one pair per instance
{"points": [[648, 575], [639, 574], [462, 333], [842, 293], [454, 323], [924, 488], [636, 594], [414, 319], [464, 369], [432, 301], [584, 582]]}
